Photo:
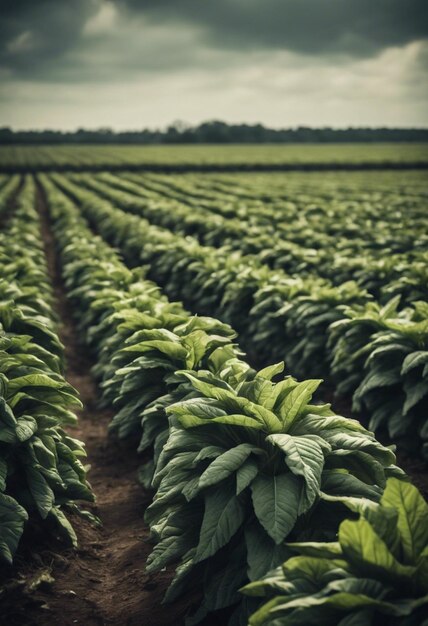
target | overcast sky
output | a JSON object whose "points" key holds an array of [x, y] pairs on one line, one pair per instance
{"points": [[128, 64]]}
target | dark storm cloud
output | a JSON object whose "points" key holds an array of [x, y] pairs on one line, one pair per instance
{"points": [[34, 33], [354, 27], [42, 38]]}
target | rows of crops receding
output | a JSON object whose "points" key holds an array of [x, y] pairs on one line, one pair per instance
{"points": [[238, 465], [241, 157], [372, 348], [263, 506], [310, 235]]}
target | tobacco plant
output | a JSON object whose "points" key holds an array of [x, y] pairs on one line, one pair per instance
{"points": [[376, 573], [244, 469]]}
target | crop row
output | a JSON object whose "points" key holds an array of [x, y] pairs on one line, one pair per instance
{"points": [[301, 208], [41, 474], [376, 353], [214, 156], [338, 241], [241, 464]]}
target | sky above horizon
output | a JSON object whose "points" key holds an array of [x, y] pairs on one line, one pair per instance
{"points": [[129, 64]]}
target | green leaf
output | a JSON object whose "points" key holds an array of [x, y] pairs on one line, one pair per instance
{"points": [[319, 549], [412, 517], [220, 588], [344, 484], [245, 474], [414, 393], [375, 380], [271, 371], [291, 408], [212, 391], [415, 359], [40, 490], [263, 554], [305, 457], [7, 423], [171, 349], [223, 515], [368, 553], [26, 427], [36, 380], [263, 617], [3, 474], [190, 421], [199, 407], [12, 520], [196, 344], [6, 414], [64, 527], [314, 568], [226, 464], [276, 501]]}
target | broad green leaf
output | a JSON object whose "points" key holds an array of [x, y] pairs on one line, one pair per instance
{"points": [[263, 616], [169, 548], [26, 427], [226, 464], [171, 349], [40, 490], [245, 474], [412, 517], [415, 359], [199, 407], [6, 414], [361, 464], [271, 371], [210, 452], [292, 406], [414, 394], [313, 568], [66, 530], [319, 549], [224, 514], [344, 484], [276, 501], [190, 421], [258, 391], [220, 589], [369, 554], [212, 391], [305, 457], [12, 520], [196, 344], [341, 601], [263, 554], [357, 441], [36, 380]]}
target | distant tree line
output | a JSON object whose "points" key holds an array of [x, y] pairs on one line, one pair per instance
{"points": [[214, 132]]}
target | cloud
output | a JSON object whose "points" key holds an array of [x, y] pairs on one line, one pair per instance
{"points": [[279, 89], [130, 63], [38, 33], [41, 37], [351, 27]]}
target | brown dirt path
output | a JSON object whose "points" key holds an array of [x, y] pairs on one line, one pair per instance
{"points": [[103, 583]]}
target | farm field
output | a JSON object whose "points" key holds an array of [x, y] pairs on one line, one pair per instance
{"points": [[195, 463], [249, 156]]}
